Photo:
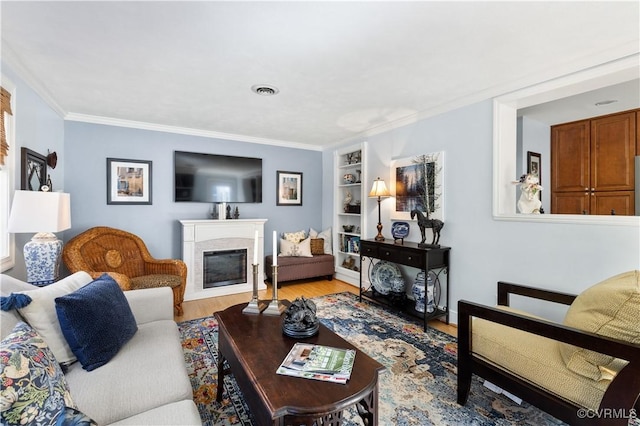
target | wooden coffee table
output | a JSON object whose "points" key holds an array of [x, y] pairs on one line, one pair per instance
{"points": [[254, 347]]}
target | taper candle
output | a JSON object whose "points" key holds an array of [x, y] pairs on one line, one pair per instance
{"points": [[255, 249], [275, 248]]}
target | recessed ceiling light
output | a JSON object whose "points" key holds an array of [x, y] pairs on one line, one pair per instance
{"points": [[607, 102], [264, 90]]}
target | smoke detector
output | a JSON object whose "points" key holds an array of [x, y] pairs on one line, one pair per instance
{"points": [[264, 90]]}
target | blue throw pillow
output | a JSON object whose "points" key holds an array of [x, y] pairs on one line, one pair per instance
{"points": [[96, 321]]}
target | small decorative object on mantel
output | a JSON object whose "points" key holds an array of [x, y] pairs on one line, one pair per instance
{"points": [[300, 319], [399, 230], [52, 159], [423, 223], [236, 213], [529, 202]]}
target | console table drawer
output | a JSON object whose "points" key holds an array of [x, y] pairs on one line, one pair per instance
{"points": [[368, 249], [415, 259]]}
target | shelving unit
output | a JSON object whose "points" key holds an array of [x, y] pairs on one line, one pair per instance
{"points": [[349, 208]]}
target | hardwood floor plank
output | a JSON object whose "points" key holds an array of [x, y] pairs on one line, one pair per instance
{"points": [[308, 288]]}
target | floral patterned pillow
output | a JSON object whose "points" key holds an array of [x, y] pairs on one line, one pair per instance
{"points": [[295, 237], [34, 389]]}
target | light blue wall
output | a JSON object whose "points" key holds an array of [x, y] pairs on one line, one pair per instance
{"points": [[568, 257], [89, 145], [40, 129]]}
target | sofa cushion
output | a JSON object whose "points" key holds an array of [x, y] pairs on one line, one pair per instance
{"points": [[33, 386], [175, 414], [41, 313], [148, 372], [326, 236], [294, 237], [96, 321], [8, 320], [301, 249], [610, 308]]}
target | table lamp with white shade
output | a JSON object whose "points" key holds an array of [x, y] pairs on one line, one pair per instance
{"points": [[43, 213], [379, 190]]}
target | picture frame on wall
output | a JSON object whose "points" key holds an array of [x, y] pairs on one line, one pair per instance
{"points": [[534, 165], [128, 181], [288, 188], [34, 170], [418, 182]]}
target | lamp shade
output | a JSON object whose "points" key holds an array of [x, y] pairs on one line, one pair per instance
{"points": [[379, 189], [36, 211]]}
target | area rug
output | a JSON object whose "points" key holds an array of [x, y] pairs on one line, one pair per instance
{"points": [[418, 386]]}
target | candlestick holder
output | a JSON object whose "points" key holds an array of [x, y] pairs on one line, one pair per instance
{"points": [[255, 306], [275, 307]]}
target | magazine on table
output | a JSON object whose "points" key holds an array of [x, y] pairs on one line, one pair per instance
{"points": [[318, 362]]}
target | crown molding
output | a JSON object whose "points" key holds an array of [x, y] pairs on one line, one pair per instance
{"points": [[93, 119]]}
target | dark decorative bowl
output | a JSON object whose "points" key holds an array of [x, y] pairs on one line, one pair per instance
{"points": [[348, 228]]}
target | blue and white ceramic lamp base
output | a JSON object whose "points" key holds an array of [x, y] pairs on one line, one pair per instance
{"points": [[42, 258]]}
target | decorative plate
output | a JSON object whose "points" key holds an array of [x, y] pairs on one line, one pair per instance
{"points": [[399, 230], [382, 276]]}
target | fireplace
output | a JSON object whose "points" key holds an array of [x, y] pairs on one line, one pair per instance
{"points": [[219, 254], [224, 267]]}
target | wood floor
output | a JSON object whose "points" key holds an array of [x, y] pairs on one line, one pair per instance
{"points": [[308, 288]]}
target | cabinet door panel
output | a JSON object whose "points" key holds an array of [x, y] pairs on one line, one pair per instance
{"points": [[613, 146], [570, 202], [621, 202], [570, 156]]}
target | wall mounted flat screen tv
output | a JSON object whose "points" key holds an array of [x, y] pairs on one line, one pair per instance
{"points": [[212, 178]]}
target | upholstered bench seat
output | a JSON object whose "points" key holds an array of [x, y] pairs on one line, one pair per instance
{"points": [[292, 268], [535, 359]]}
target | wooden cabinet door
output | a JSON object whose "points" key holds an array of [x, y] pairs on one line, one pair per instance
{"points": [[570, 146], [613, 146], [606, 202], [570, 202]]}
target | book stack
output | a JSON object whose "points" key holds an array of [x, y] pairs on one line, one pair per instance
{"points": [[318, 362]]}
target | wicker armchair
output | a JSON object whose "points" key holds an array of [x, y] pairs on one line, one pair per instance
{"points": [[125, 257]]}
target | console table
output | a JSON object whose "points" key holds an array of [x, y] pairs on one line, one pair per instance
{"points": [[427, 259]]}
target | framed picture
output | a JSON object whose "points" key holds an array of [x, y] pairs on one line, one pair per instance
{"points": [[288, 188], [417, 184], [34, 170], [534, 165], [128, 181]]}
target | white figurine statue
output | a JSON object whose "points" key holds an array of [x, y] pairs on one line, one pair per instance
{"points": [[347, 200], [529, 202]]}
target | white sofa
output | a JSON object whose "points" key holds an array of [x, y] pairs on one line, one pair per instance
{"points": [[146, 382]]}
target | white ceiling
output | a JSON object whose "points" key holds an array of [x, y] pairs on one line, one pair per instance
{"points": [[344, 69]]}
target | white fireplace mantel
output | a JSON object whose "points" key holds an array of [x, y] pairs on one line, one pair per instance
{"points": [[199, 236]]}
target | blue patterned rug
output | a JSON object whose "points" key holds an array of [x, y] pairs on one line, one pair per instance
{"points": [[418, 386]]}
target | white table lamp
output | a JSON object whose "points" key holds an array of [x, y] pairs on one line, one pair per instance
{"points": [[379, 190], [43, 213]]}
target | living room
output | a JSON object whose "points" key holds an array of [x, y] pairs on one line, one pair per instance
{"points": [[486, 246]]}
